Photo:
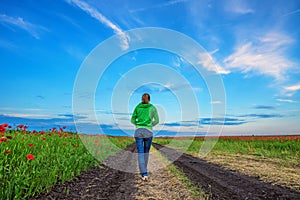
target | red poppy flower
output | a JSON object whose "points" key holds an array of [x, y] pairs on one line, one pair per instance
{"points": [[64, 127], [2, 129], [7, 151], [30, 145], [43, 138], [9, 127], [20, 126], [98, 152], [64, 143], [9, 137], [3, 139], [4, 125], [42, 132], [30, 157]]}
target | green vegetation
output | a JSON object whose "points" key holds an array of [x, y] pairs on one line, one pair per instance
{"points": [[283, 147], [32, 162]]}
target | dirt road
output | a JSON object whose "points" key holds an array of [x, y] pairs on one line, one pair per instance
{"points": [[217, 182], [110, 183]]}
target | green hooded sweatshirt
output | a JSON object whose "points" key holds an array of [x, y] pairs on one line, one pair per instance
{"points": [[145, 116]]}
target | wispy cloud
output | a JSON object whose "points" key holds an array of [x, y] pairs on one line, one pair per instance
{"points": [[40, 97], [216, 102], [93, 12], [182, 123], [75, 52], [285, 100], [169, 3], [66, 115], [291, 13], [222, 121], [166, 87], [207, 121], [29, 116], [238, 7], [206, 60], [262, 115], [7, 45], [290, 90], [263, 56], [109, 112], [264, 107], [19, 22], [293, 87], [20, 109]]}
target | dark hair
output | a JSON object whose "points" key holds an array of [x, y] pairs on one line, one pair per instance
{"points": [[147, 95]]}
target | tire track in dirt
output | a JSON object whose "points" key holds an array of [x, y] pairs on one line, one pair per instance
{"points": [[110, 183], [222, 183]]}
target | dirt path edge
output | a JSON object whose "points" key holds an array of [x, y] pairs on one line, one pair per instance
{"points": [[222, 183]]}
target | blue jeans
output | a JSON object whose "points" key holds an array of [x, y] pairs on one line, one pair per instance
{"points": [[143, 145]]}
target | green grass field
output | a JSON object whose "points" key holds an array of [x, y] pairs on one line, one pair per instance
{"points": [[281, 147]]}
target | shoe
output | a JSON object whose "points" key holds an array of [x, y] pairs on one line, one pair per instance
{"points": [[145, 178]]}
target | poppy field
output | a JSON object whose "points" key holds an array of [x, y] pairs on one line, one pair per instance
{"points": [[34, 161]]}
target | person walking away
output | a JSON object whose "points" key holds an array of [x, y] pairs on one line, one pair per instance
{"points": [[144, 117]]}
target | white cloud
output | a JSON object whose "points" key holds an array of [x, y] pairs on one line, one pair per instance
{"points": [[289, 91], [241, 10], [291, 13], [216, 102], [285, 100], [177, 61], [238, 7], [75, 52], [7, 45], [23, 109], [169, 3], [293, 87], [206, 60], [22, 24], [93, 12], [263, 56], [169, 86], [35, 116]]}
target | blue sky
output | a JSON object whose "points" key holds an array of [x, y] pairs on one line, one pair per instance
{"points": [[254, 45]]}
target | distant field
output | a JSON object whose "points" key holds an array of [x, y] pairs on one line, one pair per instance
{"points": [[31, 161], [283, 147], [274, 159]]}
